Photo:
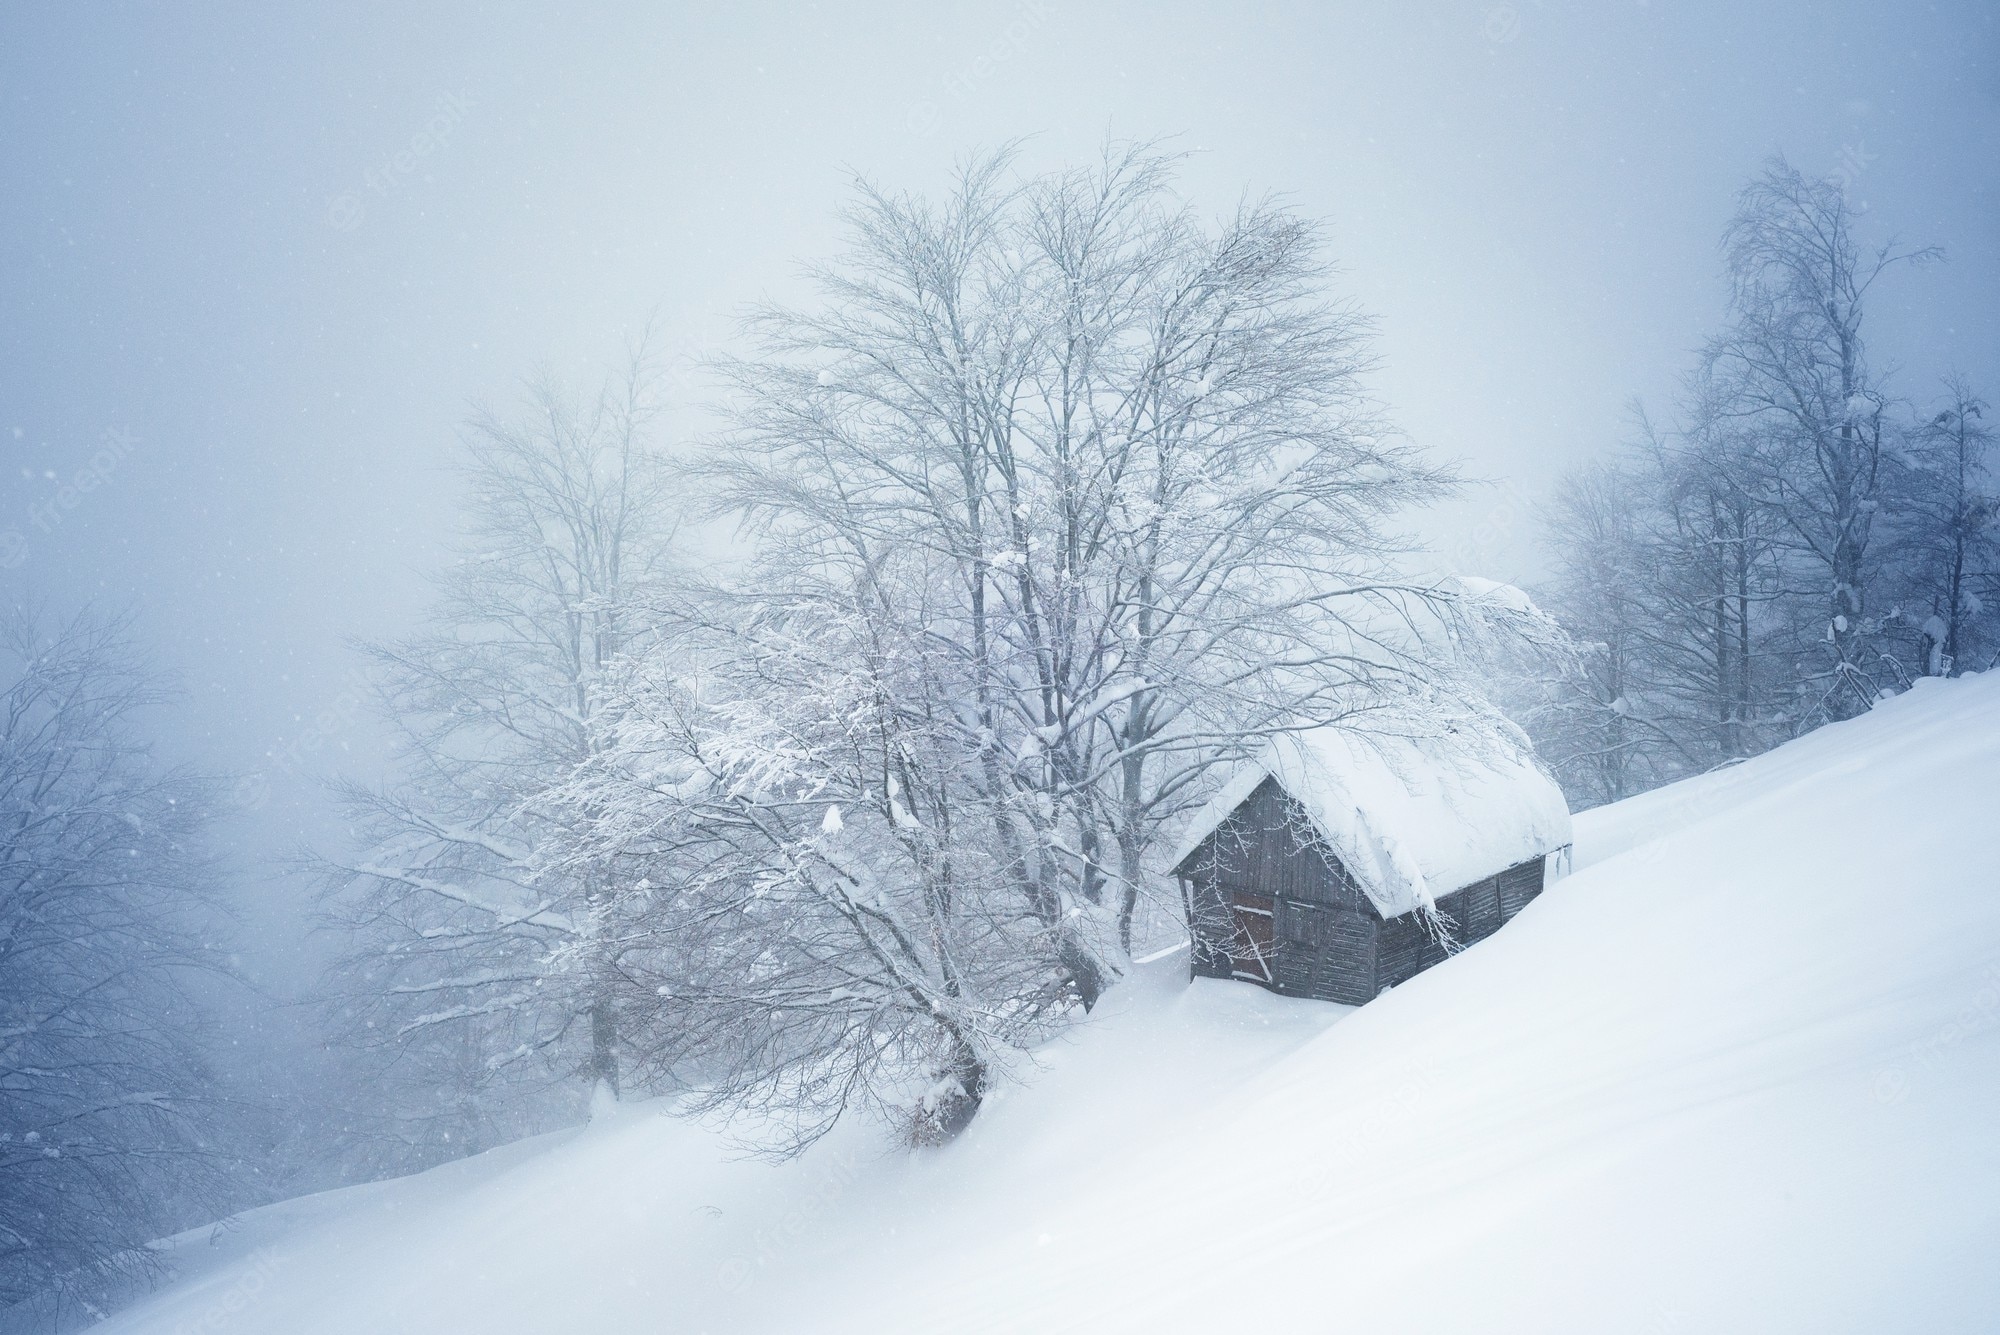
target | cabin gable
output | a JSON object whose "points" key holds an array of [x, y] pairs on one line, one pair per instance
{"points": [[1268, 903]]}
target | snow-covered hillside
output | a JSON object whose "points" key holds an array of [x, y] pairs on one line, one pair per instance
{"points": [[1741, 1072]]}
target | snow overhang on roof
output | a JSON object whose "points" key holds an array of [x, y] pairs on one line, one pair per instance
{"points": [[1412, 819]]}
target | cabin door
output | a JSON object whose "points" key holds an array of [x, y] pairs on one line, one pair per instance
{"points": [[1252, 953]]}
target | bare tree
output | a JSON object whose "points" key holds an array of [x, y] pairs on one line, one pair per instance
{"points": [[1946, 533], [107, 1136], [1792, 369], [1595, 727], [1712, 574], [470, 957]]}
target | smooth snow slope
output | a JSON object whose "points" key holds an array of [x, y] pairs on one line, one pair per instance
{"points": [[1741, 1072]]}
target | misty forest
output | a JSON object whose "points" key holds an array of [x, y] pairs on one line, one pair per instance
{"points": [[886, 672]]}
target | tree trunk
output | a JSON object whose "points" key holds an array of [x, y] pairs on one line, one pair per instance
{"points": [[953, 1111], [1086, 975], [1742, 709], [603, 1047], [1131, 839], [1956, 594], [1724, 692]]}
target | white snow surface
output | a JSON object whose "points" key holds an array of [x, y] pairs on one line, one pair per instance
{"points": [[1411, 819], [1737, 1073]]}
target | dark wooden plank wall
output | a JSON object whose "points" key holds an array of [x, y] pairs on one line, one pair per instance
{"points": [[1472, 913], [1518, 885], [1331, 942]]}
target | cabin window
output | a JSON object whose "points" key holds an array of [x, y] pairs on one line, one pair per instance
{"points": [[1295, 921]]}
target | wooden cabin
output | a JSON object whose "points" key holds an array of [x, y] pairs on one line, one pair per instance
{"points": [[1340, 865]]}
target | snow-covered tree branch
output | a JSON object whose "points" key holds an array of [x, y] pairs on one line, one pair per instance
{"points": [[472, 959]]}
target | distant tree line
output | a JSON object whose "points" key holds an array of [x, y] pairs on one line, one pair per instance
{"points": [[1790, 543]]}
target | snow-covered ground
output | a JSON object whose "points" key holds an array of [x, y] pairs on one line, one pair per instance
{"points": [[1741, 1072]]}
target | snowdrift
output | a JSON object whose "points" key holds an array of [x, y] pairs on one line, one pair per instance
{"points": [[1740, 1072]]}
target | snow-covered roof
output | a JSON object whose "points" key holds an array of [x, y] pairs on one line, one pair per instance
{"points": [[1412, 819]]}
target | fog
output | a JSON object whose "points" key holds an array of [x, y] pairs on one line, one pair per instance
{"points": [[261, 261]]}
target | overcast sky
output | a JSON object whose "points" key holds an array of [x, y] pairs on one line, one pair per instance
{"points": [[260, 259]]}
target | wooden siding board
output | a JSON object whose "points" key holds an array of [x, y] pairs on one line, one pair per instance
{"points": [[1519, 885]]}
